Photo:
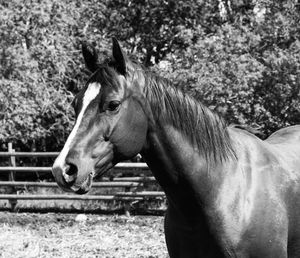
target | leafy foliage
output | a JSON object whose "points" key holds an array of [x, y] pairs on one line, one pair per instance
{"points": [[40, 59], [241, 58], [246, 70]]}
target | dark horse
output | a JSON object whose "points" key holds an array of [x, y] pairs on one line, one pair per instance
{"points": [[230, 194]]}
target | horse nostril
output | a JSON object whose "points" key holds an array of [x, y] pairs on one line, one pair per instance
{"points": [[71, 170], [70, 173]]}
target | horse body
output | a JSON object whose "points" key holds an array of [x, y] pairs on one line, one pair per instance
{"points": [[244, 207], [230, 194]]}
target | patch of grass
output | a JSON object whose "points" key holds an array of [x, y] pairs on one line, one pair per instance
{"points": [[59, 235]]}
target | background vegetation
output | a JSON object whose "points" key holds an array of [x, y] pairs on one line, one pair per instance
{"points": [[241, 58]]}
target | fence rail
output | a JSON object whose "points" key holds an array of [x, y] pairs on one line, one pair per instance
{"points": [[52, 184], [140, 166], [11, 153], [133, 186], [117, 196]]}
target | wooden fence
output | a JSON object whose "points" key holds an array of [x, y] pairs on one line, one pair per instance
{"points": [[133, 186]]}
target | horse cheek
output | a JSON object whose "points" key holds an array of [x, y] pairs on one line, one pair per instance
{"points": [[130, 134]]}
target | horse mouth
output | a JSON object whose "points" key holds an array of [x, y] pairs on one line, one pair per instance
{"points": [[84, 186]]}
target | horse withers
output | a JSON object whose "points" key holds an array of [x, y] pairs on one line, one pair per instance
{"points": [[229, 193]]}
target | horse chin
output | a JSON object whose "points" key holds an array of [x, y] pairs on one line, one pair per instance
{"points": [[102, 168], [82, 190]]}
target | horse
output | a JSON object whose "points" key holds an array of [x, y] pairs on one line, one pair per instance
{"points": [[230, 194]]}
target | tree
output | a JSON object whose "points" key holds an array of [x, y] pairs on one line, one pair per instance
{"points": [[242, 60], [248, 71]]}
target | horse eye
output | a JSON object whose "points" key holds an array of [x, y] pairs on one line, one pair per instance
{"points": [[113, 105]]}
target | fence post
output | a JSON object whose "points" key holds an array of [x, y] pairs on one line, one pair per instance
{"points": [[127, 205], [11, 176]]}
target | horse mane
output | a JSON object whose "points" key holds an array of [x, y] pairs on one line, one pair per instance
{"points": [[203, 127]]}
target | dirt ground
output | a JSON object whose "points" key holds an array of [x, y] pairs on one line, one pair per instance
{"points": [[61, 235]]}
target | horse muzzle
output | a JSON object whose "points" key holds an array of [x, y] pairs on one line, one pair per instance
{"points": [[68, 178]]}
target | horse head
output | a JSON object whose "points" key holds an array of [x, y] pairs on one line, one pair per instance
{"points": [[110, 124]]}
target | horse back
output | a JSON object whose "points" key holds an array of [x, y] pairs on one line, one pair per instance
{"points": [[287, 144], [272, 190], [289, 134]]}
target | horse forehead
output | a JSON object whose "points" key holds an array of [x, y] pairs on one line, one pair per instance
{"points": [[117, 90], [92, 91]]}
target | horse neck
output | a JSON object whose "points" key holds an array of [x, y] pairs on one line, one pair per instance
{"points": [[182, 150], [186, 176]]}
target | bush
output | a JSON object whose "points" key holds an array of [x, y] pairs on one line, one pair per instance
{"points": [[240, 59], [245, 71], [40, 60]]}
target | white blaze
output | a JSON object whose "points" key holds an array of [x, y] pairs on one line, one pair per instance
{"points": [[91, 92]]}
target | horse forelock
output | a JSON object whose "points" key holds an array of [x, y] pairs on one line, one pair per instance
{"points": [[105, 75]]}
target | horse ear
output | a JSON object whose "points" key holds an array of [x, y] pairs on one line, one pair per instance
{"points": [[119, 57], [90, 57]]}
